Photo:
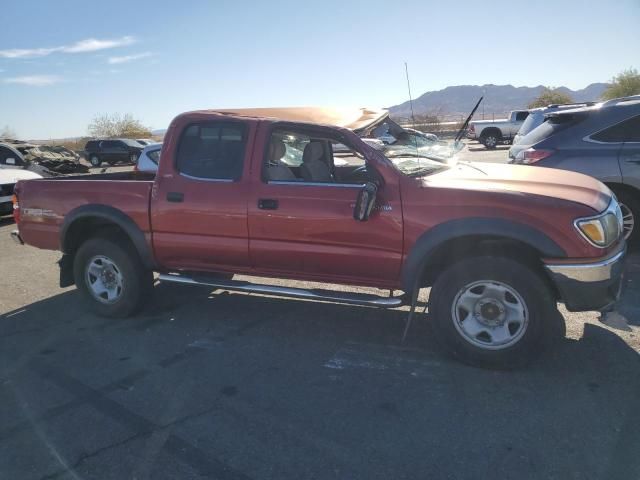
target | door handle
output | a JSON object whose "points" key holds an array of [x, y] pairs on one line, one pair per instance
{"points": [[175, 197], [633, 158], [267, 204]]}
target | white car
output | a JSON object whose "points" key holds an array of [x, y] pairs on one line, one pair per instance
{"points": [[8, 179], [149, 158]]}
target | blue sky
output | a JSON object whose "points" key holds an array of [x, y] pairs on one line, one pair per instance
{"points": [[63, 62]]}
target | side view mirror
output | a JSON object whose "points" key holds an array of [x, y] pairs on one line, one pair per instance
{"points": [[365, 202]]}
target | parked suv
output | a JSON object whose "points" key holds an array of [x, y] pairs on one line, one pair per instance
{"points": [[112, 151], [602, 141], [536, 117]]}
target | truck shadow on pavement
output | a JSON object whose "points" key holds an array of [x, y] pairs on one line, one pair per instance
{"points": [[241, 386]]}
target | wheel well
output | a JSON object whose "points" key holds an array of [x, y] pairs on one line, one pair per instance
{"points": [[490, 130], [623, 187], [85, 228], [457, 249]]}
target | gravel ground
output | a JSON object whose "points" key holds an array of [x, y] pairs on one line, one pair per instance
{"points": [[208, 384]]}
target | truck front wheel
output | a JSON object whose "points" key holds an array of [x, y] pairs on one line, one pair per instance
{"points": [[110, 277], [492, 311]]}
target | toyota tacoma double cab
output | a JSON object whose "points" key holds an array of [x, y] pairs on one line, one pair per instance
{"points": [[492, 133], [499, 245]]}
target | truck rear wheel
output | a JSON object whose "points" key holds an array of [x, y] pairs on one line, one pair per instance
{"points": [[110, 277], [492, 311], [490, 139]]}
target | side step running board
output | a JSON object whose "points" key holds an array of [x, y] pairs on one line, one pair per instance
{"points": [[309, 294]]}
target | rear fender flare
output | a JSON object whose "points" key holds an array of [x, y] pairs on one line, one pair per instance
{"points": [[437, 236], [109, 215]]}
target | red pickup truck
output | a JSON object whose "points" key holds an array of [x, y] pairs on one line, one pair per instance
{"points": [[264, 193]]}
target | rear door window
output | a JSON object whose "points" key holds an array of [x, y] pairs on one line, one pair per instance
{"points": [[626, 131], [212, 150], [520, 116]]}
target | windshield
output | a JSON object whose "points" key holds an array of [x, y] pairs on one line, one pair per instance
{"points": [[423, 158]]}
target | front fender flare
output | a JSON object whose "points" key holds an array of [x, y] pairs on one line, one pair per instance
{"points": [[437, 236]]}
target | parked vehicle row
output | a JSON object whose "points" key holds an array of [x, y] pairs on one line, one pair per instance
{"points": [[261, 192]]}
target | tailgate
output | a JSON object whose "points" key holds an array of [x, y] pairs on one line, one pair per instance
{"points": [[45, 203]]}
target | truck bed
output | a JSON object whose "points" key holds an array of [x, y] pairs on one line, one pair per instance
{"points": [[44, 203]]}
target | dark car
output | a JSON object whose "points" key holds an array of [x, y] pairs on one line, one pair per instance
{"points": [[602, 141], [112, 151]]}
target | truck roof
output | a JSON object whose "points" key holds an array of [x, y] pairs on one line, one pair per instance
{"points": [[354, 119]]}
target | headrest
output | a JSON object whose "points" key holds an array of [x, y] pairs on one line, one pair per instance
{"points": [[313, 152], [277, 149]]}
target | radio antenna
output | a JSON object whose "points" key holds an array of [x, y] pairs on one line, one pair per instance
{"points": [[413, 118], [406, 72]]}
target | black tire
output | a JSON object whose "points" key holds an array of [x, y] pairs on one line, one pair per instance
{"points": [[137, 280], [490, 139], [95, 161], [630, 204], [542, 319]]}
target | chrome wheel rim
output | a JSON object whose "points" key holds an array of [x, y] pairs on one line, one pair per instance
{"points": [[104, 279], [490, 141], [628, 221], [490, 315]]}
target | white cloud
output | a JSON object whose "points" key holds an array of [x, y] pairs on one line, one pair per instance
{"points": [[34, 80], [92, 44], [129, 58], [27, 52], [82, 46]]}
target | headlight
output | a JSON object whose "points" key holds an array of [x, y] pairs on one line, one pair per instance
{"points": [[604, 229]]}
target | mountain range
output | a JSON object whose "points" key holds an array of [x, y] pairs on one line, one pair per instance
{"points": [[460, 99]]}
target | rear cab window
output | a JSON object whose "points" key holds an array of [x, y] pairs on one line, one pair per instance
{"points": [[212, 151]]}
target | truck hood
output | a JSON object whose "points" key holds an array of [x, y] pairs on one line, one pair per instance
{"points": [[523, 179], [12, 175]]}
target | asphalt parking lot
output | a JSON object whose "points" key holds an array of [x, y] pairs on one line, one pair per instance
{"points": [[206, 384], [476, 152], [218, 385]]}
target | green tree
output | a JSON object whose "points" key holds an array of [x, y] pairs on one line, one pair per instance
{"points": [[624, 84], [117, 125], [550, 96]]}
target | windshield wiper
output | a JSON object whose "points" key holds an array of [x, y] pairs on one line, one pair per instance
{"points": [[466, 122]]}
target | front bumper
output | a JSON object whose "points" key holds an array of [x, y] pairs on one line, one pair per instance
{"points": [[589, 286]]}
